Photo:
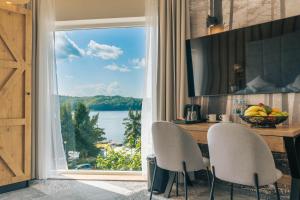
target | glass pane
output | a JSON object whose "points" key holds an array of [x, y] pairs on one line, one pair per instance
{"points": [[100, 81]]}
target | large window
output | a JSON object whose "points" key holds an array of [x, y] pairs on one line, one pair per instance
{"points": [[100, 80]]}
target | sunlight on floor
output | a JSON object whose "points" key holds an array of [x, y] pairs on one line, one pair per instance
{"points": [[110, 187]]}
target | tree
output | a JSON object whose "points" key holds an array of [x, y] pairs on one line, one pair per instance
{"points": [[67, 127], [87, 133], [136, 160], [120, 159], [132, 128]]}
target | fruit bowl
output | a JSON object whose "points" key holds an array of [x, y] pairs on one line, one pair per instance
{"points": [[264, 121], [263, 116]]}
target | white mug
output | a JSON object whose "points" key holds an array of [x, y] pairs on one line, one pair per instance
{"points": [[212, 117], [224, 118]]}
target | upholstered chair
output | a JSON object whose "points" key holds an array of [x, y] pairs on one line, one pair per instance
{"points": [[176, 151], [239, 156]]}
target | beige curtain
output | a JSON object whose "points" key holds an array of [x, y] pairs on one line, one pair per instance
{"points": [[172, 75]]}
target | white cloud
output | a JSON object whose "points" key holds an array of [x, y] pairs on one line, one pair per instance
{"points": [[110, 89], [66, 48], [103, 51], [114, 67], [113, 88], [138, 63]]}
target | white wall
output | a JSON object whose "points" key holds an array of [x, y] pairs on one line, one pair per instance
{"points": [[98, 9]]}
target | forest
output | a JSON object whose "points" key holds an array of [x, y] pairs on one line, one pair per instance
{"points": [[104, 103]]}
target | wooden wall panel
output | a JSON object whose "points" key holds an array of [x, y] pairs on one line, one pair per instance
{"points": [[15, 94], [241, 13]]}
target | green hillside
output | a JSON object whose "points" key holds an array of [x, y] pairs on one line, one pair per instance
{"points": [[105, 103]]}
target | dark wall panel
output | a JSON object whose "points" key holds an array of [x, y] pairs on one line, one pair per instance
{"points": [[228, 50]]}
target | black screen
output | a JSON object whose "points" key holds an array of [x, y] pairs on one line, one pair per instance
{"points": [[264, 58]]}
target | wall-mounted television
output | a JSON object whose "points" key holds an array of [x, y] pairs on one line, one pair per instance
{"points": [[259, 59]]}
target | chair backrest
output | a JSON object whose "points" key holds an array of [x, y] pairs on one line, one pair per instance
{"points": [[237, 154], [172, 146]]}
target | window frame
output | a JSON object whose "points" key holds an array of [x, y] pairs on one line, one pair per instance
{"points": [[125, 22], [69, 25]]}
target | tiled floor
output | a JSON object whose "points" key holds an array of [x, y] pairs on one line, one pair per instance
{"points": [[106, 190]]}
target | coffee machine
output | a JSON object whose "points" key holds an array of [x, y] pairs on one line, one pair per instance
{"points": [[194, 110]]}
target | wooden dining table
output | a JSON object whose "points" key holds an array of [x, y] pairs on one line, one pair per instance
{"points": [[283, 139]]}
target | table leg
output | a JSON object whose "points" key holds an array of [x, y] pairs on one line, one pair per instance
{"points": [[171, 180], [295, 189], [292, 146]]}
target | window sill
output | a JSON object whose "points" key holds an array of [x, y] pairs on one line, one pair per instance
{"points": [[100, 175]]}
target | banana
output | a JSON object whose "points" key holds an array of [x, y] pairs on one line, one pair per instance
{"points": [[250, 114], [261, 113], [247, 112], [255, 109], [275, 114], [285, 114]]}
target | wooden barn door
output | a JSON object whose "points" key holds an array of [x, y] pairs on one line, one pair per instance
{"points": [[15, 94]]}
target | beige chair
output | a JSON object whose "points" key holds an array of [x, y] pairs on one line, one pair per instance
{"points": [[240, 156], [176, 151]]}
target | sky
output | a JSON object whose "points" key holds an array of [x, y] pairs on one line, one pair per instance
{"points": [[101, 62]]}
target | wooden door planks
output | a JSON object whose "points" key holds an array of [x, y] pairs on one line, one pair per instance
{"points": [[15, 94]]}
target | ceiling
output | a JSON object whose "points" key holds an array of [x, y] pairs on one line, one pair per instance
{"points": [[98, 9]]}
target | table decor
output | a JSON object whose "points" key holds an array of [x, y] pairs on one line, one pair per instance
{"points": [[263, 116]]}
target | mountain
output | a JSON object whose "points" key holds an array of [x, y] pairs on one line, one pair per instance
{"points": [[105, 103]]}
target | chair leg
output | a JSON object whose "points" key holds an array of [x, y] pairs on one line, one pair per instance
{"points": [[177, 180], [256, 186], [208, 177], [172, 176], [277, 191], [231, 191], [185, 180], [153, 178], [213, 184]]}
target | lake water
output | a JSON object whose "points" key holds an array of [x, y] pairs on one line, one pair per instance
{"points": [[112, 122]]}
